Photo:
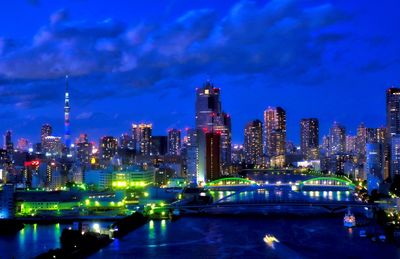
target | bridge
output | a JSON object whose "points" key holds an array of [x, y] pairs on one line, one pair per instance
{"points": [[309, 184], [279, 195]]}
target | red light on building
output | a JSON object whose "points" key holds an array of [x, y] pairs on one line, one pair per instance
{"points": [[32, 163]]}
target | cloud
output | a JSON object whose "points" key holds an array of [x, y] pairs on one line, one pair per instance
{"points": [[284, 40]]}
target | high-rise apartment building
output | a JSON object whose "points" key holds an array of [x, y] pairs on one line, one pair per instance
{"points": [[142, 135], [309, 138], [337, 139], [253, 142], [274, 131]]}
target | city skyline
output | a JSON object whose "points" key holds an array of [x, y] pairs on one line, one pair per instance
{"points": [[105, 102]]}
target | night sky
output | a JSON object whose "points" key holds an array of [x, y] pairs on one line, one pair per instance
{"points": [[136, 61]]}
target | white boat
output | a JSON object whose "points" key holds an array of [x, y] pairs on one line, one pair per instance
{"points": [[349, 220], [270, 240]]}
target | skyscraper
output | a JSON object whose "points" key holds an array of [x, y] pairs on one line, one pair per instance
{"points": [[393, 111], [67, 136], [142, 135], [223, 126], [337, 139], [210, 119], [274, 131], [191, 153], [253, 142], [309, 138], [174, 142], [208, 105], [8, 144]]}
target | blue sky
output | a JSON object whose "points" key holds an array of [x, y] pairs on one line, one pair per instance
{"points": [[140, 61]]}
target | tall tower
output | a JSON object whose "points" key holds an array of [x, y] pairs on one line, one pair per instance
{"points": [[67, 133]]}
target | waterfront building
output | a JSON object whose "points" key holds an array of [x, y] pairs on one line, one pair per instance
{"points": [[100, 179], [191, 154], [7, 201], [309, 138], [134, 177], [211, 122], [275, 134], [374, 165], [213, 170], [253, 143]]}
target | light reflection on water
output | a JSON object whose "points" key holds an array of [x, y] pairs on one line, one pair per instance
{"points": [[281, 194]]}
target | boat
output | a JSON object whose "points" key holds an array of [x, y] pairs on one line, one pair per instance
{"points": [[270, 240], [382, 238], [349, 220], [363, 233]]}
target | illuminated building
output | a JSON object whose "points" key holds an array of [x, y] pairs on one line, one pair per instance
{"points": [[351, 142], [7, 202], [53, 176], [253, 142], [238, 154], [53, 146], [108, 147], [46, 131], [337, 139], [393, 111], [134, 177], [67, 133], [142, 137], [395, 155], [159, 145], [211, 119], [208, 104], [374, 165], [174, 142], [223, 127], [84, 152], [191, 153], [309, 138], [274, 131], [213, 170], [126, 142]]}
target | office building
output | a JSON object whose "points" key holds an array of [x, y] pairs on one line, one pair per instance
{"points": [[337, 139], [142, 138], [108, 147]]}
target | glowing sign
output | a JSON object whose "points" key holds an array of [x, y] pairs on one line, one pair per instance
{"points": [[33, 163]]}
